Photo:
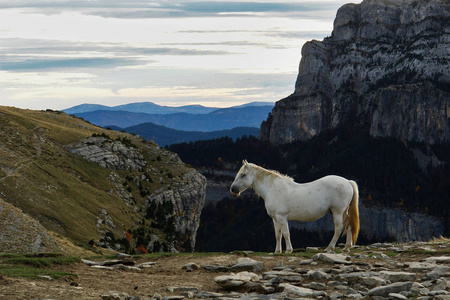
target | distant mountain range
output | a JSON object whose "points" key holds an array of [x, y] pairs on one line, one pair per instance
{"points": [[164, 136], [168, 125], [153, 108]]}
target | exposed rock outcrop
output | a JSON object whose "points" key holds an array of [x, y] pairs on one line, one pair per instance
{"points": [[385, 68], [109, 154], [22, 234], [188, 198], [186, 194]]}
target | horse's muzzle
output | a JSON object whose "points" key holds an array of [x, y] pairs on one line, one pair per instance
{"points": [[234, 191]]}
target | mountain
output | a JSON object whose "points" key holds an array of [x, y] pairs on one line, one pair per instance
{"points": [[384, 69], [93, 186], [163, 136], [220, 119], [153, 108], [141, 107]]}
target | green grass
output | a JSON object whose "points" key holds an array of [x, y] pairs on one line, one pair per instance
{"points": [[65, 192], [31, 272], [35, 265]]}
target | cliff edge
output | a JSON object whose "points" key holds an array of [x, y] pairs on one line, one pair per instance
{"points": [[385, 68]]}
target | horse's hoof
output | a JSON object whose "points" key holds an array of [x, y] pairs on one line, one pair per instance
{"points": [[329, 250]]}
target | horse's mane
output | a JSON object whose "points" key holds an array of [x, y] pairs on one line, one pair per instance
{"points": [[261, 173]]}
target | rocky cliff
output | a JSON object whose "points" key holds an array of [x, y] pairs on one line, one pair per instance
{"points": [[185, 193], [385, 68], [95, 186]]}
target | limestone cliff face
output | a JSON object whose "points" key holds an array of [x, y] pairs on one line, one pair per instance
{"points": [[185, 192], [385, 68]]}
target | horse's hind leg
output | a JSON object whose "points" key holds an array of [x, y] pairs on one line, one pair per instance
{"points": [[348, 242], [287, 237], [277, 228], [348, 232], [338, 226]]}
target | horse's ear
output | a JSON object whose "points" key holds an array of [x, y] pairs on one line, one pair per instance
{"points": [[244, 162]]}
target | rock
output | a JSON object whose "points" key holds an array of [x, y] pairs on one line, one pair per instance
{"points": [[441, 285], [296, 291], [187, 194], [90, 262], [102, 267], [178, 289], [125, 267], [189, 267], [438, 272], [332, 258], [306, 262], [372, 281], [357, 74], [283, 275], [421, 267], [120, 255], [397, 296], [145, 265], [398, 276], [317, 274], [247, 264], [391, 288], [438, 259], [205, 294], [235, 281], [215, 268], [115, 296]]}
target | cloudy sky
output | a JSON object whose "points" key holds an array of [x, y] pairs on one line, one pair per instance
{"points": [[60, 53]]}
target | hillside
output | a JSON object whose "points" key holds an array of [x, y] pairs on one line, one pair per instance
{"points": [[220, 119], [164, 136], [93, 185]]}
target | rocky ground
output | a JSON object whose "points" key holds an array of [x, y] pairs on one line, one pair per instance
{"points": [[378, 271]]}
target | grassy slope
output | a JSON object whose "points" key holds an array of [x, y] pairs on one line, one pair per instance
{"points": [[61, 190]]}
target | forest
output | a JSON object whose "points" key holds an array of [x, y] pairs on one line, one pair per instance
{"points": [[386, 170]]}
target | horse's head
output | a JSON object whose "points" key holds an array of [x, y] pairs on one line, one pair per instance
{"points": [[243, 180]]}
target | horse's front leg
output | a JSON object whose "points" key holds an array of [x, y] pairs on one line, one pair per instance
{"points": [[283, 223], [277, 228]]}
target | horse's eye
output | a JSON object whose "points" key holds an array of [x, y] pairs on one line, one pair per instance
{"points": [[243, 175]]}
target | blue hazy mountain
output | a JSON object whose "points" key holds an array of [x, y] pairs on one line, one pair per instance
{"points": [[166, 136], [151, 108], [249, 115]]}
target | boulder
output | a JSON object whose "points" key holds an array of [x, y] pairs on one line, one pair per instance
{"points": [[236, 281]]}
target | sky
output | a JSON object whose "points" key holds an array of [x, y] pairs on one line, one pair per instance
{"points": [[56, 54]]}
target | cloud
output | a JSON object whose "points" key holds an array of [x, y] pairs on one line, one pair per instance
{"points": [[48, 64], [34, 54], [134, 9]]}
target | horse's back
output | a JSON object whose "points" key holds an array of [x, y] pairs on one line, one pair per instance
{"points": [[311, 201]]}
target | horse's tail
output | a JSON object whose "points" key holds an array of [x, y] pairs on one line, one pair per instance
{"points": [[353, 212]]}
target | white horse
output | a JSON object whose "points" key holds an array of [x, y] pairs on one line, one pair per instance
{"points": [[286, 200]]}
